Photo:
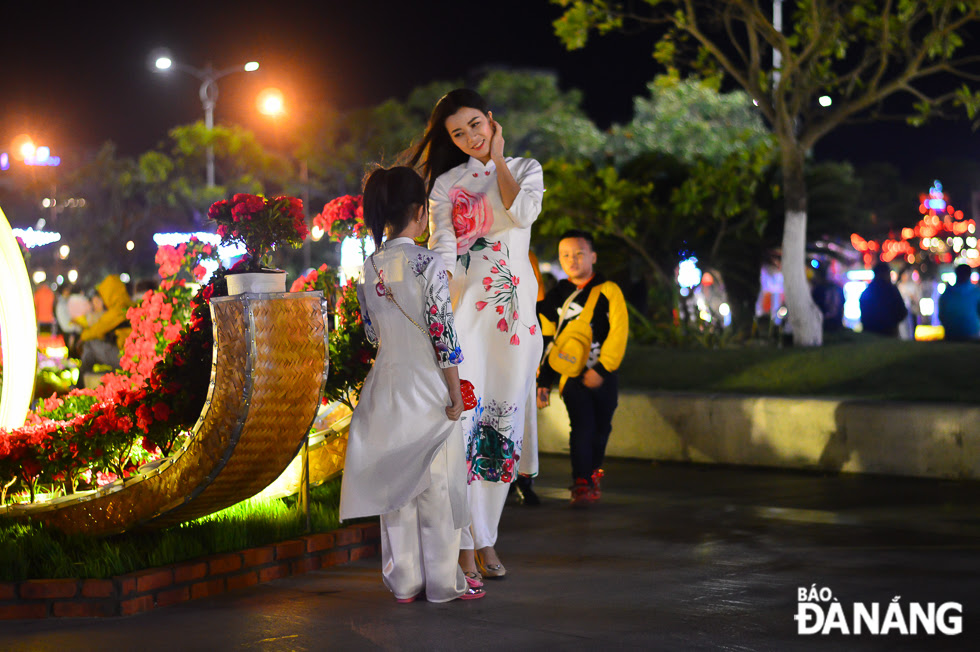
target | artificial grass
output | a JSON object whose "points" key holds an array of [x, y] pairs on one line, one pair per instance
{"points": [[31, 550], [849, 366]]}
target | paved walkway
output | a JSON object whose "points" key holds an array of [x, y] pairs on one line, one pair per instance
{"points": [[676, 557]]}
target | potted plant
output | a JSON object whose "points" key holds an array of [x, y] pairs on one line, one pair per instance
{"points": [[260, 224]]}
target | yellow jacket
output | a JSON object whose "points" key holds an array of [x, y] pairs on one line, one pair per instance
{"points": [[610, 326], [113, 320]]}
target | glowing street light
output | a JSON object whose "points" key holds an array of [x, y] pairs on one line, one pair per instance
{"points": [[130, 245], [63, 251], [271, 102], [208, 93], [825, 101]]}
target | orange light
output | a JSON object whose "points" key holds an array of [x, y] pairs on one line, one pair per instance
{"points": [[958, 215], [23, 147], [908, 233], [271, 102], [858, 242]]}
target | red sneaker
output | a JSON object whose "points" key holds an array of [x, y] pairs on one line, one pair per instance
{"points": [[582, 493], [596, 489]]}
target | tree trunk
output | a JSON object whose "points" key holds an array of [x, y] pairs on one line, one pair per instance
{"points": [[805, 318]]}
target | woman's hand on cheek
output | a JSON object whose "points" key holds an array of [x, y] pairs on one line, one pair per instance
{"points": [[497, 142]]}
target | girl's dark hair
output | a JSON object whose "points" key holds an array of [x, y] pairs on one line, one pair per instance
{"points": [[436, 151], [391, 198]]}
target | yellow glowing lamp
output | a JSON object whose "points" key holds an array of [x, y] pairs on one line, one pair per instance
{"points": [[18, 331], [271, 102]]}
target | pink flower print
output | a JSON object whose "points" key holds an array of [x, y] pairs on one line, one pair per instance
{"points": [[502, 325], [480, 305], [500, 310], [496, 246], [506, 286], [517, 280], [487, 280], [380, 289], [472, 217], [435, 329], [514, 339], [494, 270], [534, 329], [433, 310], [515, 314]]}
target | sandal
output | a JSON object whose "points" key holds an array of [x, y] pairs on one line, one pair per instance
{"points": [[473, 579], [415, 597], [473, 593], [489, 571]]}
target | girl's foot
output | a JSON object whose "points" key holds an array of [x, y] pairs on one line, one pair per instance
{"points": [[467, 562], [473, 593], [473, 580]]}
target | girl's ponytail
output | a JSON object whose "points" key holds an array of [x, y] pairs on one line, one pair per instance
{"points": [[391, 199]]}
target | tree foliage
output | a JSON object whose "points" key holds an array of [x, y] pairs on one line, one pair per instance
{"points": [[689, 119], [863, 53]]}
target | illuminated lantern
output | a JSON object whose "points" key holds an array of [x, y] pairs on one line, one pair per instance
{"points": [[19, 328]]}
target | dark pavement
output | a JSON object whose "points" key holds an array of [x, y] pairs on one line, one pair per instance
{"points": [[676, 557]]}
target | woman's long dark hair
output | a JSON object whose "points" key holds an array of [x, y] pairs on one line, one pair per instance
{"points": [[391, 199], [437, 152]]}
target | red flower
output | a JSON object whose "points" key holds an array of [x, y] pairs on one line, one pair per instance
{"points": [[161, 411], [533, 329], [502, 325], [199, 272], [480, 305], [496, 246], [500, 310], [144, 417], [435, 329], [514, 339]]}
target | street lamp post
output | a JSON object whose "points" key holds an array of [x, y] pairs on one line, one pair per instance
{"points": [[208, 77]]}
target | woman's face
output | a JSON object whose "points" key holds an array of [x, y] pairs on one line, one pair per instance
{"points": [[471, 131]]}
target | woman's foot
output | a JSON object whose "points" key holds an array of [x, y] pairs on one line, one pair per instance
{"points": [[489, 563], [467, 561], [473, 580]]}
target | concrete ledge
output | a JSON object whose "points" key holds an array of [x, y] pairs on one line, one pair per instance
{"points": [[911, 439]]}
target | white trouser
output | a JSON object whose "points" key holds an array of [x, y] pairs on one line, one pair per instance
{"points": [[486, 501], [420, 545]]}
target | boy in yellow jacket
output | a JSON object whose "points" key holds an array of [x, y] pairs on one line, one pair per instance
{"points": [[102, 341], [591, 397]]}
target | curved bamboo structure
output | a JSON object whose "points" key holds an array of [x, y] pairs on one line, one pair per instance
{"points": [[326, 451], [267, 374]]}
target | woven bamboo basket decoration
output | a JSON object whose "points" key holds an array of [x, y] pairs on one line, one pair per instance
{"points": [[267, 376], [327, 449]]}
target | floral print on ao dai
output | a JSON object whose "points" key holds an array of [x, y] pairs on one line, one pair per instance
{"points": [[494, 293]]}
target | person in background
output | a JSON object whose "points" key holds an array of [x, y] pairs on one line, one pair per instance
{"points": [[829, 297], [44, 309], [959, 307], [67, 326], [102, 340], [882, 306], [911, 291], [591, 397]]}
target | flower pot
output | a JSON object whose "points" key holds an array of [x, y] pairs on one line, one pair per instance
{"points": [[273, 280]]}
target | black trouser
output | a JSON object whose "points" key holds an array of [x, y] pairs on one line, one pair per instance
{"points": [[590, 412]]}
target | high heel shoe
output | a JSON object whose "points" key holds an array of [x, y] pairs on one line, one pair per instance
{"points": [[489, 571]]}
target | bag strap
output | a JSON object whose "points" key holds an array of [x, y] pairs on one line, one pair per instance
{"points": [[391, 297], [564, 309], [586, 313]]}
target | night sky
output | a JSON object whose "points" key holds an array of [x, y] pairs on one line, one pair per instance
{"points": [[75, 74]]}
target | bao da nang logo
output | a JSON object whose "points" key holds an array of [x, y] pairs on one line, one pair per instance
{"points": [[819, 612]]}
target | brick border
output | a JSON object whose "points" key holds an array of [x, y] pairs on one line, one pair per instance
{"points": [[133, 593]]}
